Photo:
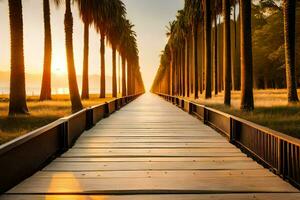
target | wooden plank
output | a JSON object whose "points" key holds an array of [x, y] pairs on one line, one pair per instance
{"points": [[145, 126], [148, 133], [153, 145], [137, 166], [154, 173], [210, 152], [152, 185], [151, 159], [149, 140], [157, 137], [256, 196]]}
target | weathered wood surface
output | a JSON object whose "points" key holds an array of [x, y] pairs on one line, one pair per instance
{"points": [[153, 150]]}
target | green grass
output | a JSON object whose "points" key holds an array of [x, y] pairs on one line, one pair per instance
{"points": [[41, 113], [271, 110]]}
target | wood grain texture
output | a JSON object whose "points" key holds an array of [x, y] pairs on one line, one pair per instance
{"points": [[252, 196], [151, 149]]}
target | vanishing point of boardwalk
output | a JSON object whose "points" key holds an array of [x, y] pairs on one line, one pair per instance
{"points": [[151, 149]]}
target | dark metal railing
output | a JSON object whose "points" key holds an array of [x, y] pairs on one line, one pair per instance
{"points": [[274, 150]]}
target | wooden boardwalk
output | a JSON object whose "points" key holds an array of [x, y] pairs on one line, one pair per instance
{"points": [[151, 149]]}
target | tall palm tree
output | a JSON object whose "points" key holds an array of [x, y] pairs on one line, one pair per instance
{"points": [[73, 87], [227, 52], [101, 21], [17, 100], [180, 40], [289, 11], [85, 10], [194, 15], [125, 43], [216, 61], [46, 82], [247, 102], [114, 33], [132, 63], [170, 34], [207, 32]]}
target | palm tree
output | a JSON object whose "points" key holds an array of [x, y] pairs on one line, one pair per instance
{"points": [[207, 32], [193, 10], [170, 34], [101, 21], [132, 62], [114, 33], [17, 100], [216, 61], [46, 82], [289, 11], [85, 10], [247, 102], [180, 31], [125, 43], [73, 87], [227, 51]]}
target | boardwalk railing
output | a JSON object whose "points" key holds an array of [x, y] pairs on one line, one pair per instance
{"points": [[22, 157], [274, 150]]}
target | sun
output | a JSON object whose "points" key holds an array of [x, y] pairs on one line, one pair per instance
{"points": [[59, 64]]}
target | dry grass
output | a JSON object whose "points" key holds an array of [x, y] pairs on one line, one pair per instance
{"points": [[271, 110], [41, 113]]}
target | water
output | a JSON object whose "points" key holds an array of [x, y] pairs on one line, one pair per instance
{"points": [[35, 91]]}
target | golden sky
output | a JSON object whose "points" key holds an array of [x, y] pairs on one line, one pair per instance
{"points": [[149, 16]]}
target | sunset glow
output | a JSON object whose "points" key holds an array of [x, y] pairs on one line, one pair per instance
{"points": [[149, 17]]}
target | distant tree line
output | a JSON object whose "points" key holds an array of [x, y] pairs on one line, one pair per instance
{"points": [[224, 45]]}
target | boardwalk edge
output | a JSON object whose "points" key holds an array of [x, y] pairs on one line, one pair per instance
{"points": [[274, 150], [25, 155]]}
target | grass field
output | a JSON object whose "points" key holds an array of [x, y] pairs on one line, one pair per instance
{"points": [[41, 113], [271, 110]]}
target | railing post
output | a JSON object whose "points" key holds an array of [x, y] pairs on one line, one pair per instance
{"points": [[89, 119], [190, 108], [233, 130], [280, 157], [205, 117], [64, 136]]}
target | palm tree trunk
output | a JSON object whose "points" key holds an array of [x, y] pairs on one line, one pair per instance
{"points": [[73, 87], [187, 68], [191, 61], [183, 70], [46, 82], [207, 33], [124, 76], [114, 72], [195, 37], [119, 73], [289, 11], [172, 72], [227, 52], [17, 100], [247, 102], [129, 81], [237, 52], [179, 72], [85, 73], [220, 56], [201, 60], [102, 52], [216, 55]]}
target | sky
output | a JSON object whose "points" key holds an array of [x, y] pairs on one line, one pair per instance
{"points": [[149, 16]]}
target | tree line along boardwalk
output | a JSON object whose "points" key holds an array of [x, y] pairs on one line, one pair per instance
{"points": [[151, 149]]}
